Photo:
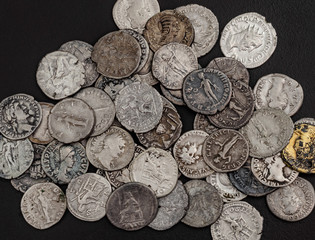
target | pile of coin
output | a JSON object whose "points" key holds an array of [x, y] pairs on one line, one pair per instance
{"points": [[243, 143]]}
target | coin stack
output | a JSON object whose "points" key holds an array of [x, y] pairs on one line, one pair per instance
{"points": [[244, 142]]}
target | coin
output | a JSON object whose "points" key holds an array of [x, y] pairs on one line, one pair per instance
{"points": [[169, 95], [87, 196], [249, 39], [147, 78], [310, 121], [148, 65], [60, 74], [43, 205], [131, 206], [201, 122], [205, 204], [293, 202]]}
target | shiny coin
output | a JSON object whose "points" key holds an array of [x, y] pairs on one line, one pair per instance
{"points": [[310, 121], [201, 122]]}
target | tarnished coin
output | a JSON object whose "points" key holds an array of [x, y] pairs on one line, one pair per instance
{"points": [[169, 95], [63, 162], [117, 55], [16, 156], [239, 220], [71, 120], [103, 108], [60, 74], [188, 153], [82, 51], [133, 14], [113, 149], [171, 64], [157, 169], [206, 27], [139, 107], [245, 181], [168, 104], [201, 122], [147, 78], [299, 154], [20, 115], [205, 204], [166, 27], [310, 121], [35, 173], [232, 68], [41, 135], [87, 196], [249, 39], [293, 202], [43, 205], [268, 132], [225, 188], [132, 206], [272, 171], [148, 65], [207, 91], [172, 208]]}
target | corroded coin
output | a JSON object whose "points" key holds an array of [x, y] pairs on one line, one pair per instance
{"points": [[63, 162], [239, 220], [249, 39], [147, 78], [87, 196], [148, 65], [60, 74], [172, 208], [201, 122], [293, 202], [207, 91], [166, 27], [279, 91], [169, 95], [132, 206], [117, 55], [205, 204], [20, 115]]}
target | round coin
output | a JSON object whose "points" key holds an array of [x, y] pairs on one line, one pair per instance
{"points": [[147, 78], [172, 98], [201, 122], [310, 121]]}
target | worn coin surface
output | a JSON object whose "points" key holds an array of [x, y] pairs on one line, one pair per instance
{"points": [[172, 208], [206, 27], [87, 196], [201, 122], [171, 97], [166, 27], [310, 121], [171, 64], [249, 39], [63, 162], [132, 206], [20, 115], [148, 65], [60, 74], [71, 120], [239, 220], [82, 51], [268, 132], [279, 91], [147, 78], [293, 202], [16, 156], [207, 91], [139, 107], [103, 108], [205, 204]]}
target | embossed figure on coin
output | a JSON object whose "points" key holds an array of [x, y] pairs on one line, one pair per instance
{"points": [[131, 212]]}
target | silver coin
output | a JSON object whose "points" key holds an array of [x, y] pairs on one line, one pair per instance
{"points": [[239, 220], [63, 162], [225, 188], [20, 115], [167, 103], [139, 107], [103, 108], [206, 27], [148, 65], [16, 157], [171, 64], [268, 132], [172, 208], [293, 202], [87, 196], [249, 39], [205, 204], [43, 205], [71, 120], [169, 95], [278, 91], [147, 78], [82, 51], [310, 121], [201, 122], [60, 74], [157, 169]]}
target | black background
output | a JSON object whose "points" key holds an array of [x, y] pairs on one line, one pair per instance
{"points": [[31, 29]]}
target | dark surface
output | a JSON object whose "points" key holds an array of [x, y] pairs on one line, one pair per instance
{"points": [[31, 29]]}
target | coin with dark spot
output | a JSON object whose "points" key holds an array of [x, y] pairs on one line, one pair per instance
{"points": [[202, 122]]}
